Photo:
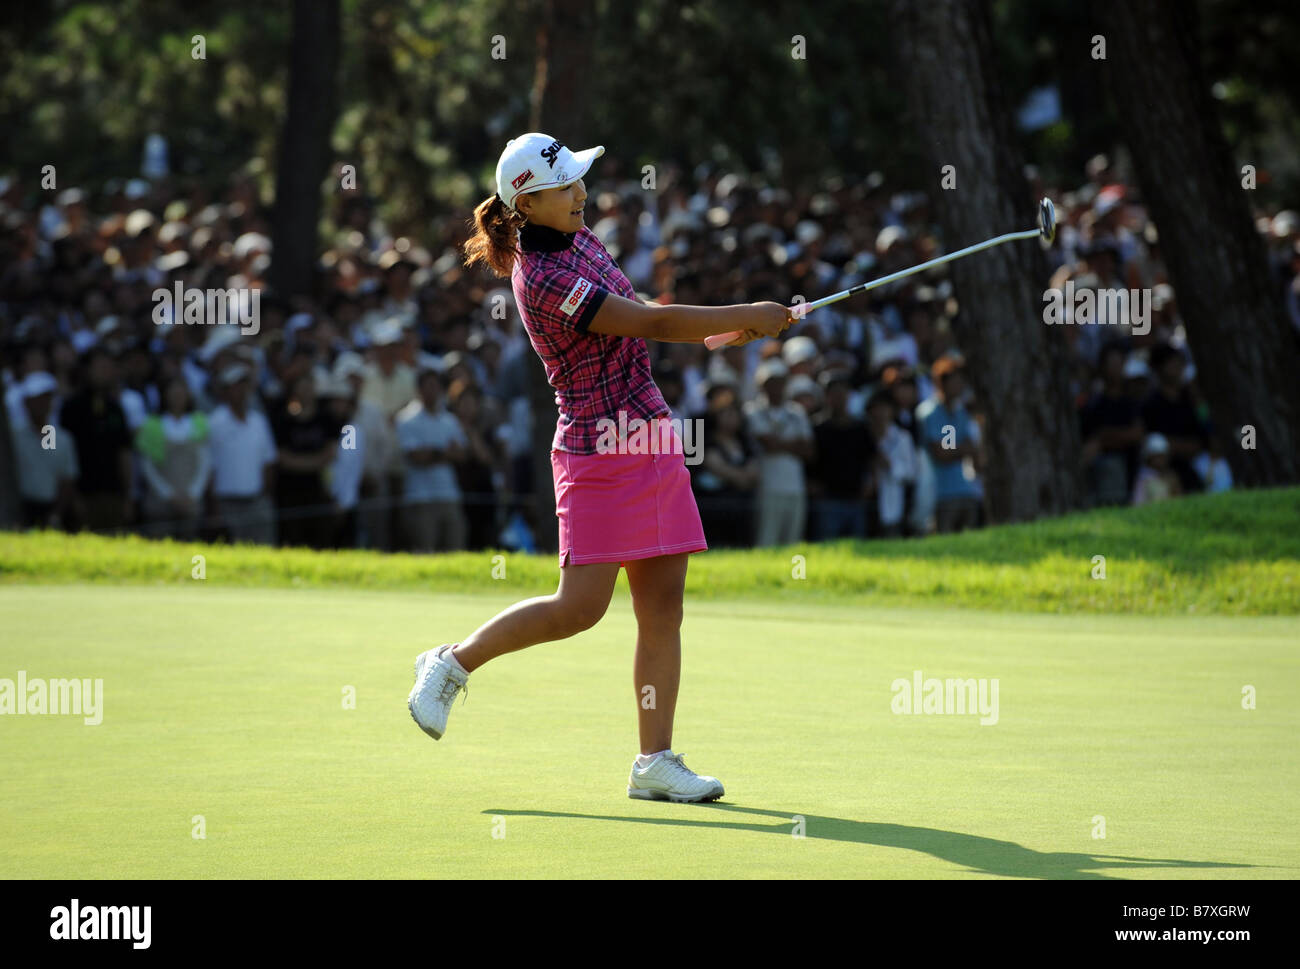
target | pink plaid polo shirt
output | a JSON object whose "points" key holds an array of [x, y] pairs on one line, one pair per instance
{"points": [[559, 281]]}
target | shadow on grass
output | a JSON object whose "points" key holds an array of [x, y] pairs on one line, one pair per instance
{"points": [[986, 856]]}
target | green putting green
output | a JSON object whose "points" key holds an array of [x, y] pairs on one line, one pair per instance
{"points": [[225, 713]]}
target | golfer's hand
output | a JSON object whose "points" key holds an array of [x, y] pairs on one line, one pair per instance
{"points": [[746, 336], [771, 319]]}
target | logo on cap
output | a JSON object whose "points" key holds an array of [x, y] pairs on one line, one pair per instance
{"points": [[550, 152], [519, 180]]}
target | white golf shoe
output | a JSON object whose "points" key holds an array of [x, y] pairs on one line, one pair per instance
{"points": [[437, 681], [667, 778]]}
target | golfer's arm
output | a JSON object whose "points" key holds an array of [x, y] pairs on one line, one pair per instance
{"points": [[692, 340], [618, 316]]}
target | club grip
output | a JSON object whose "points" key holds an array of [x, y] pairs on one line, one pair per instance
{"points": [[800, 310], [720, 339]]}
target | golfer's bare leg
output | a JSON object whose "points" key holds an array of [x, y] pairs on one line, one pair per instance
{"points": [[657, 587], [578, 604]]}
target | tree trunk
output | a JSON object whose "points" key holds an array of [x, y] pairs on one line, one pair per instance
{"points": [[304, 144], [10, 500], [561, 81], [559, 108], [1018, 367], [1246, 358]]}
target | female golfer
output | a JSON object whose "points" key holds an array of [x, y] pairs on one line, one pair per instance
{"points": [[615, 508]]}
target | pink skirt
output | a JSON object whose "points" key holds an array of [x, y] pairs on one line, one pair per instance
{"points": [[622, 507]]}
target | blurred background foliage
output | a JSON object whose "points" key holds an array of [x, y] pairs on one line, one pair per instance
{"points": [[424, 108]]}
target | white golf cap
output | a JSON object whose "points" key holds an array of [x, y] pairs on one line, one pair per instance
{"points": [[233, 374], [38, 383], [1155, 444], [386, 332], [801, 384], [770, 369], [249, 243], [799, 349], [1135, 367], [349, 364], [536, 161], [221, 338]]}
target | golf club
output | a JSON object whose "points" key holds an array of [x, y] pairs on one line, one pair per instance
{"points": [[1046, 229]]}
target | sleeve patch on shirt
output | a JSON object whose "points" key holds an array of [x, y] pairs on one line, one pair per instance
{"points": [[575, 297]]}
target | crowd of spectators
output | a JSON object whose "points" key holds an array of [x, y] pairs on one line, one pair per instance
{"points": [[390, 409]]}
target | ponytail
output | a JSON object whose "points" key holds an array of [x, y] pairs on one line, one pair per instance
{"points": [[493, 243]]}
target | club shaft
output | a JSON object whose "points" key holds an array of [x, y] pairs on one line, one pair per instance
{"points": [[938, 261], [802, 309]]}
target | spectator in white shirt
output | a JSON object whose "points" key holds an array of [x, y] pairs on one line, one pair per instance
{"points": [[243, 462], [895, 463], [389, 382], [785, 437], [46, 455], [432, 444], [33, 360]]}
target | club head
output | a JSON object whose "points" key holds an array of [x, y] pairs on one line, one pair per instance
{"points": [[1047, 220]]}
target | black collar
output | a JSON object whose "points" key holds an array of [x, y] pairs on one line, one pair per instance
{"points": [[542, 238]]}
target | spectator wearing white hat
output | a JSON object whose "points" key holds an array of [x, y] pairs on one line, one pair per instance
{"points": [[32, 359], [390, 386], [252, 252], [390, 380], [784, 434], [800, 355], [1157, 481], [46, 455], [1137, 379], [243, 461], [399, 298], [805, 392]]}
